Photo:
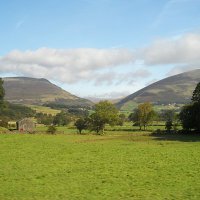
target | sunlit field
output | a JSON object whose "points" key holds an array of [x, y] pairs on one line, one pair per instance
{"points": [[44, 109], [118, 165]]}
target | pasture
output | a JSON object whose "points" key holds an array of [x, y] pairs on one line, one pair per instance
{"points": [[118, 165], [44, 109]]}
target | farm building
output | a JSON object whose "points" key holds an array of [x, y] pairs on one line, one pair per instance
{"points": [[26, 125]]}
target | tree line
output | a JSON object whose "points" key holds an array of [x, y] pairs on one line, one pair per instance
{"points": [[9, 111], [143, 115], [14, 112], [190, 114], [106, 113]]}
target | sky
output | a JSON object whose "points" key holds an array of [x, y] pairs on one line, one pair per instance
{"points": [[99, 48]]}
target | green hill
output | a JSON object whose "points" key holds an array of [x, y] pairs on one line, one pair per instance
{"points": [[34, 91], [175, 89]]}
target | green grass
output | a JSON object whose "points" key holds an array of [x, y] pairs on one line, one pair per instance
{"points": [[119, 165], [59, 129], [2, 129], [127, 127], [44, 109], [129, 107]]}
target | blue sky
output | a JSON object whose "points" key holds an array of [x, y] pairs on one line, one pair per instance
{"points": [[106, 48]]}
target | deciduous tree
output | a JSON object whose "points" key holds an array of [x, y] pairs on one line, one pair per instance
{"points": [[143, 115], [104, 113], [62, 119], [81, 124]]}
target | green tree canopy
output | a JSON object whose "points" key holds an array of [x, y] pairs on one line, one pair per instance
{"points": [[143, 115], [168, 125], [104, 113], [81, 124], [190, 114], [190, 117], [62, 119], [196, 94]]}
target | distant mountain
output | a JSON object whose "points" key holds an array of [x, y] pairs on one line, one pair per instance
{"points": [[34, 91], [175, 89]]}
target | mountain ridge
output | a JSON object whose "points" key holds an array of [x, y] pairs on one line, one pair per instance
{"points": [[174, 89], [38, 91]]}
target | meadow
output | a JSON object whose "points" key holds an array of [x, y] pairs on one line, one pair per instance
{"points": [[119, 165], [44, 109]]}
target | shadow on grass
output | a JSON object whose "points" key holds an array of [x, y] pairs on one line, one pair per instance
{"points": [[123, 129], [183, 137]]}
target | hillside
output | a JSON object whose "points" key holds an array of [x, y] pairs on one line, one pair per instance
{"points": [[37, 92], [175, 89]]}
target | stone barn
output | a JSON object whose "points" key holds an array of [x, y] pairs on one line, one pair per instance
{"points": [[26, 125]]}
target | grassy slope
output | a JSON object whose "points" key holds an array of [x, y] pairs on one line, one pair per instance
{"points": [[44, 109], [26, 90], [117, 166], [174, 89], [131, 105]]}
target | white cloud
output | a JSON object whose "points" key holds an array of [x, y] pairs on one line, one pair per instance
{"points": [[64, 65], [101, 66], [109, 95], [118, 78], [184, 50]]}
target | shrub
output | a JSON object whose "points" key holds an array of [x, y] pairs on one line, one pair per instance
{"points": [[51, 130], [4, 123], [168, 125]]}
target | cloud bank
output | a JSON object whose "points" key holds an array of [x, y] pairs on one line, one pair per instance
{"points": [[100, 66], [184, 50], [65, 65]]}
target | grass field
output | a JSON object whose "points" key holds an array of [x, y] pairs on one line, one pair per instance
{"points": [[130, 106], [119, 165], [44, 109]]}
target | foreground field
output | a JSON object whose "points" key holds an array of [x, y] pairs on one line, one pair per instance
{"points": [[116, 166]]}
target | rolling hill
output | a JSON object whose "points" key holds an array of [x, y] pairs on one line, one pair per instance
{"points": [[34, 91], [175, 89]]}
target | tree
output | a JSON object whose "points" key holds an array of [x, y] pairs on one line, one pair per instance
{"points": [[190, 117], [104, 113], [81, 124], [196, 94], [122, 119], [62, 119], [134, 117], [190, 114], [15, 111], [80, 112], [168, 115], [43, 118], [168, 125], [143, 115], [171, 119]]}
